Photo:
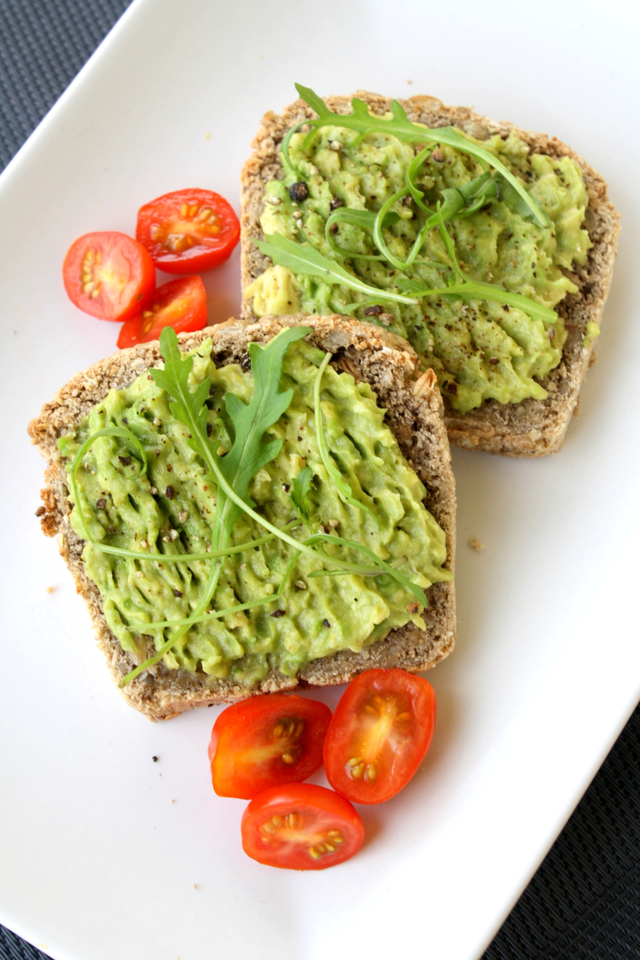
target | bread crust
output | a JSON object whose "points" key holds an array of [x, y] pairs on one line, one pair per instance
{"points": [[531, 428], [414, 413]]}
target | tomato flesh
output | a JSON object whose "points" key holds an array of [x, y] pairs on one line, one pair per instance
{"points": [[181, 304], [265, 741], [301, 827], [109, 275], [379, 734], [188, 231]]}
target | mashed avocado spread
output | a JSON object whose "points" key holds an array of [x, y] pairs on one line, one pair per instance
{"points": [[479, 349], [169, 507]]}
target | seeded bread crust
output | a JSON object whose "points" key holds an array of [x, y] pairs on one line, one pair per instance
{"points": [[531, 428], [414, 413]]}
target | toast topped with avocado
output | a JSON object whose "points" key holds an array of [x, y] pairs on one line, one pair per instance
{"points": [[272, 506], [489, 248]]}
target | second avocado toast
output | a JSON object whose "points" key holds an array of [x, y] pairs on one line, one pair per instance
{"points": [[489, 248]]}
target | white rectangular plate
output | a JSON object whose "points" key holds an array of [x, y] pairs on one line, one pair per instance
{"points": [[107, 855]]}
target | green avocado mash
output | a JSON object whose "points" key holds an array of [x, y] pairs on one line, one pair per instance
{"points": [[591, 334], [479, 349], [169, 508]]}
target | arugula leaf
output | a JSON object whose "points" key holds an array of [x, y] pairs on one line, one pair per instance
{"points": [[365, 219], [381, 243], [506, 193], [303, 258], [314, 101], [300, 487], [445, 236], [287, 163], [408, 584], [404, 129], [344, 489], [454, 197], [187, 407], [455, 200], [478, 290], [484, 188], [248, 453], [412, 172]]}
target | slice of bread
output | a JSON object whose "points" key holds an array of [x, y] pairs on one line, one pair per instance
{"points": [[414, 413], [531, 428]]}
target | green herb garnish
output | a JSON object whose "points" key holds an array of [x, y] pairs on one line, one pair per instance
{"points": [[366, 220], [413, 588], [477, 290], [458, 202], [462, 288], [303, 258], [495, 183], [404, 129]]}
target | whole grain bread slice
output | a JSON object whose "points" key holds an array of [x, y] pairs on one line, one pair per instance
{"points": [[531, 428], [414, 413]]}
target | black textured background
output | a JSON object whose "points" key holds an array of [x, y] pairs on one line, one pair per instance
{"points": [[584, 901]]}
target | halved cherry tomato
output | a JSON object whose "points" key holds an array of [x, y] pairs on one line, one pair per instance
{"points": [[109, 275], [188, 231], [379, 734], [301, 827], [265, 741], [181, 304]]}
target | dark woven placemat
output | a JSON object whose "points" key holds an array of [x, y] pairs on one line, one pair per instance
{"points": [[583, 902]]}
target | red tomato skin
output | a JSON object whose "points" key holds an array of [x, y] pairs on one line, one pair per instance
{"points": [[182, 304], [345, 737], [242, 727], [132, 259], [208, 251], [319, 808]]}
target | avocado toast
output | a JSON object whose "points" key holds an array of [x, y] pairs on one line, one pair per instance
{"points": [[115, 444], [489, 248]]}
